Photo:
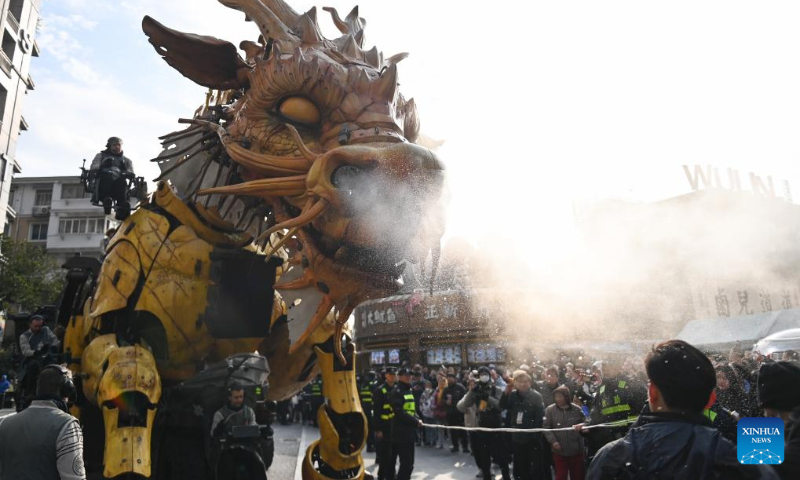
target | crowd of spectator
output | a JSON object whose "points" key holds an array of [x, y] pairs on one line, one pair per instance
{"points": [[558, 395], [555, 395]]}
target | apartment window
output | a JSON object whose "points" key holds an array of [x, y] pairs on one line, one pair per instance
{"points": [[15, 8], [73, 191], [38, 232], [11, 195], [82, 225], [9, 45], [43, 197]]}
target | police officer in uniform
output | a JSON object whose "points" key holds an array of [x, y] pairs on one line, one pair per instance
{"points": [[382, 415], [365, 388], [404, 424], [618, 399]]}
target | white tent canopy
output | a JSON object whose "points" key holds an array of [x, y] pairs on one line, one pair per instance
{"points": [[719, 334], [779, 342]]}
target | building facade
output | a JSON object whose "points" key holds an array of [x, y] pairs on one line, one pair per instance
{"points": [[644, 270], [56, 213], [444, 328], [709, 254], [19, 19]]}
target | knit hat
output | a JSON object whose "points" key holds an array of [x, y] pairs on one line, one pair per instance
{"points": [[779, 386]]}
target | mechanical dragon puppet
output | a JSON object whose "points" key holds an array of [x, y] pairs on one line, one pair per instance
{"points": [[294, 194]]}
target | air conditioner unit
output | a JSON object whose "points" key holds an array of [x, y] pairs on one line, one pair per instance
{"points": [[41, 211]]}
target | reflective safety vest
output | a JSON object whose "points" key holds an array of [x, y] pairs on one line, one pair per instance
{"points": [[387, 413], [316, 389], [366, 394], [409, 406], [710, 414], [618, 406]]}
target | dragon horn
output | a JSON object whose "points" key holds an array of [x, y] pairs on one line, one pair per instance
{"points": [[268, 20]]}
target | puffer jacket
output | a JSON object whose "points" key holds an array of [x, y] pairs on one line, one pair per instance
{"points": [[672, 446], [790, 468]]}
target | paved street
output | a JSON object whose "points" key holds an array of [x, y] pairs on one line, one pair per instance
{"points": [[291, 441], [430, 463]]}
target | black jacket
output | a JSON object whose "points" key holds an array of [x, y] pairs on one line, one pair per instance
{"points": [[378, 400], [404, 424], [455, 392], [672, 446], [790, 468], [530, 405]]}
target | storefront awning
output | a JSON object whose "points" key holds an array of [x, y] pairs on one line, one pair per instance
{"points": [[722, 333]]}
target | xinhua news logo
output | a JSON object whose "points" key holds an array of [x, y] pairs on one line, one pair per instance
{"points": [[760, 441]]}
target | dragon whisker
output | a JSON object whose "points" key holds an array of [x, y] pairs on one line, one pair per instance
{"points": [[268, 187], [264, 163], [301, 145], [281, 242], [310, 211]]}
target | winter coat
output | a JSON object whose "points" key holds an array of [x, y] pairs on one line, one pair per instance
{"points": [[547, 392], [455, 392], [555, 417], [379, 399], [790, 468], [123, 162], [530, 405], [405, 422], [672, 446], [490, 416]]}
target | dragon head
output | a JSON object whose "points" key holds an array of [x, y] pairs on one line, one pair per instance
{"points": [[310, 147]]}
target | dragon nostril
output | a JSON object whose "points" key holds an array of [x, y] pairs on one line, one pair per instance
{"points": [[347, 178]]}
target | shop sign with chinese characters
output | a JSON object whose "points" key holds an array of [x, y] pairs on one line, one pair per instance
{"points": [[417, 312]]}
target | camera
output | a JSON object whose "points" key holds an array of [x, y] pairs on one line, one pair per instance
{"points": [[482, 390]]}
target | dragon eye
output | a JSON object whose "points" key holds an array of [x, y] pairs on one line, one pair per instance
{"points": [[300, 110]]}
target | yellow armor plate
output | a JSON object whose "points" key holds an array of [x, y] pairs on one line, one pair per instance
{"points": [[118, 278], [175, 291], [130, 369], [165, 197], [93, 363]]}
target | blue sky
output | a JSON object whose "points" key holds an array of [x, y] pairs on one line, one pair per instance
{"points": [[539, 103]]}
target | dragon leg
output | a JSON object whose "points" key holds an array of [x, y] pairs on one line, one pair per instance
{"points": [[124, 383], [343, 426]]}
